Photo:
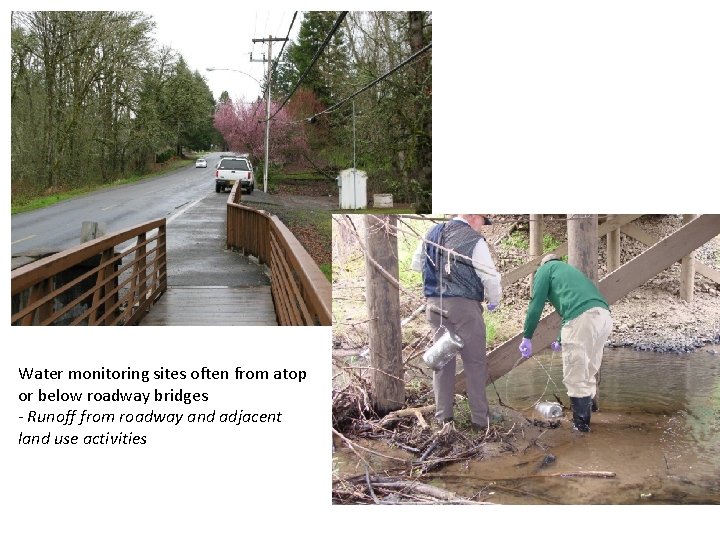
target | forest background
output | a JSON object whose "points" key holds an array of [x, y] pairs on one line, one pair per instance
{"points": [[96, 100]]}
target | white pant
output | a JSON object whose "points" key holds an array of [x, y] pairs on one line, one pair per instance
{"points": [[583, 339]]}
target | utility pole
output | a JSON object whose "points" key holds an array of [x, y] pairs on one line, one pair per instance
{"points": [[269, 41]]}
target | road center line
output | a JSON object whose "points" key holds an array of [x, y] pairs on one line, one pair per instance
{"points": [[22, 239], [108, 207]]}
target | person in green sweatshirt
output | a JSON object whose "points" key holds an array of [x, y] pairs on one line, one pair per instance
{"points": [[586, 325]]}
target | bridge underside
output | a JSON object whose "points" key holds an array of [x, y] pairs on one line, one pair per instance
{"points": [[614, 286]]}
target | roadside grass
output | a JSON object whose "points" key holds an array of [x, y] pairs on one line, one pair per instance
{"points": [[326, 269], [34, 203], [312, 227]]}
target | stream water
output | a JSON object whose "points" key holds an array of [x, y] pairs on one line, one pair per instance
{"points": [[658, 430]]}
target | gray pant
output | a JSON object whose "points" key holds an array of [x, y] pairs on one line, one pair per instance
{"points": [[464, 318]]}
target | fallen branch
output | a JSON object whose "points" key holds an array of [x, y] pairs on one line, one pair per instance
{"points": [[369, 485], [584, 474], [417, 412], [418, 487], [417, 492], [414, 314], [351, 445]]}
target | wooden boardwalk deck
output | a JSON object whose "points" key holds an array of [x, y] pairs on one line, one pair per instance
{"points": [[213, 306], [209, 285]]}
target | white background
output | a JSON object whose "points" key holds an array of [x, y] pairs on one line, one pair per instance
{"points": [[538, 107]]}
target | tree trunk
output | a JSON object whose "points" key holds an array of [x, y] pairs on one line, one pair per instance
{"points": [[423, 115], [383, 299]]}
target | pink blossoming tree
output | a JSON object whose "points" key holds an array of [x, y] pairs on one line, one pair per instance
{"points": [[243, 127]]}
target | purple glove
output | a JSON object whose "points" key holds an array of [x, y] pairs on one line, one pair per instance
{"points": [[526, 348], [492, 307], [555, 346]]}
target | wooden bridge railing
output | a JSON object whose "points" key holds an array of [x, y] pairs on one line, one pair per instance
{"points": [[300, 291], [93, 284]]}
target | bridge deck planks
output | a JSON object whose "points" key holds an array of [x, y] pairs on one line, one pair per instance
{"points": [[213, 306]]}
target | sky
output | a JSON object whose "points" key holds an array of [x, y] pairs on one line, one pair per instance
{"points": [[203, 47]]}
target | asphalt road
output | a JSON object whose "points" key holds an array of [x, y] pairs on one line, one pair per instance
{"points": [[57, 227]]}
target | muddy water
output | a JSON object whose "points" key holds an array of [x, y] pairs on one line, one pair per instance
{"points": [[658, 431]]}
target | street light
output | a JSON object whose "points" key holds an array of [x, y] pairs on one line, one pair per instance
{"points": [[237, 70], [267, 117]]}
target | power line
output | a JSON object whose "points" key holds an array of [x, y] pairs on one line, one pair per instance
{"points": [[287, 37], [376, 81], [272, 71], [314, 59]]}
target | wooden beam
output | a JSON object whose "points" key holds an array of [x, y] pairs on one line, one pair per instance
{"points": [[687, 269], [529, 267], [633, 231], [614, 286]]}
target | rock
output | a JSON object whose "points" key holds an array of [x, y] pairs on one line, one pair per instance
{"points": [[548, 459]]}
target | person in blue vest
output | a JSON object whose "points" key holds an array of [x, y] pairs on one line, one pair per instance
{"points": [[458, 276], [586, 325]]}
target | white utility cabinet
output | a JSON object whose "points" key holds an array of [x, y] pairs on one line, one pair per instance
{"points": [[353, 188]]}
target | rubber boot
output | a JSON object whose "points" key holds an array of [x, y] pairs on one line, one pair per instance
{"points": [[582, 409]]}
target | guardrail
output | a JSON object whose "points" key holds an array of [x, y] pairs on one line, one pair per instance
{"points": [[93, 284], [300, 291]]}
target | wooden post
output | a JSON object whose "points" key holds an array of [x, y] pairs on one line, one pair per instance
{"points": [[536, 239], [536, 235], [687, 269], [383, 299], [583, 255], [90, 230], [583, 243], [613, 248]]}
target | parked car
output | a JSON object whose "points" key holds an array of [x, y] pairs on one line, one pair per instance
{"points": [[201, 163], [234, 169]]}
